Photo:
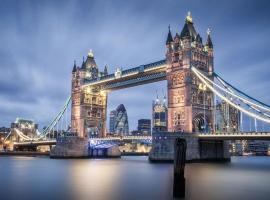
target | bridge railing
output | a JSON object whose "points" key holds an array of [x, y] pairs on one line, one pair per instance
{"points": [[138, 69]]}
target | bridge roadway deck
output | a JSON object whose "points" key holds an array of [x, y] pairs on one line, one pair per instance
{"points": [[53, 141], [218, 136], [236, 136]]}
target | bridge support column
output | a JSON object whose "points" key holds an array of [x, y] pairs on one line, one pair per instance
{"points": [[163, 146], [197, 150], [214, 150], [89, 107]]}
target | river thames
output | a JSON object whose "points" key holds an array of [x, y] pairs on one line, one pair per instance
{"points": [[130, 178]]}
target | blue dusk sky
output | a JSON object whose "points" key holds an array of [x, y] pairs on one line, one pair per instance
{"points": [[39, 41]]}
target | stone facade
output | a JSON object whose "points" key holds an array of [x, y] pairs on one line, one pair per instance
{"points": [[70, 147], [189, 105], [163, 146], [78, 147], [89, 104], [197, 150]]}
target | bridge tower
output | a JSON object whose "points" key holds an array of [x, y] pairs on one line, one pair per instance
{"points": [[89, 103], [189, 102]]}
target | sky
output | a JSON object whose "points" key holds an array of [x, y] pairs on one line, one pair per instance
{"points": [[39, 41]]}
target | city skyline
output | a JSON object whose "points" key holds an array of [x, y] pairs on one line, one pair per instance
{"points": [[35, 78]]}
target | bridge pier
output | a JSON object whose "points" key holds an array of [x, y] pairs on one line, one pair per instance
{"points": [[214, 150], [70, 147], [77, 147], [197, 150]]}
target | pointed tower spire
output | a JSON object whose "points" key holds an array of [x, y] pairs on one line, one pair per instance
{"points": [[74, 66], [188, 29], [209, 42], [91, 54], [105, 70], [83, 64], [157, 99], [90, 60], [189, 17], [169, 37], [164, 96]]}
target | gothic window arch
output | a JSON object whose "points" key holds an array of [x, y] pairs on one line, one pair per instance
{"points": [[182, 78], [209, 101], [200, 98], [194, 98], [174, 81], [178, 80]]}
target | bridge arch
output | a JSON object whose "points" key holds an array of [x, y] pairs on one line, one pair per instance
{"points": [[200, 123]]}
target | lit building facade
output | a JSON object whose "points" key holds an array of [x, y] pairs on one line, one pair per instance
{"points": [[159, 118], [121, 121], [189, 106], [144, 126], [88, 114]]}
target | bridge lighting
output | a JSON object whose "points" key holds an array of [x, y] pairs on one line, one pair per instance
{"points": [[203, 88], [88, 90], [202, 78], [189, 17], [230, 92], [103, 93]]}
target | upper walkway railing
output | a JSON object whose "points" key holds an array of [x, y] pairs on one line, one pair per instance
{"points": [[125, 73]]}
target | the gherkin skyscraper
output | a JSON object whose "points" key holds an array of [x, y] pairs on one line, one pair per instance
{"points": [[121, 121]]}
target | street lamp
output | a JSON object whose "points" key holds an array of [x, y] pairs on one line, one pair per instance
{"points": [[202, 87]]}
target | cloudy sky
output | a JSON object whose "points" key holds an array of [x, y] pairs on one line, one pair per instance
{"points": [[39, 41]]}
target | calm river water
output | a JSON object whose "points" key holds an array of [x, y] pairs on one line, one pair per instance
{"points": [[130, 178]]}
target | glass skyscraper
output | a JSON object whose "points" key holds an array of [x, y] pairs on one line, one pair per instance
{"points": [[112, 121], [119, 121]]}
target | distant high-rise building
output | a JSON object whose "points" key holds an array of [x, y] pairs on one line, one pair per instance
{"points": [[159, 114], [144, 126], [121, 121], [112, 121]]}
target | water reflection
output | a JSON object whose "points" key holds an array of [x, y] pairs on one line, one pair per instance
{"points": [[130, 178]]}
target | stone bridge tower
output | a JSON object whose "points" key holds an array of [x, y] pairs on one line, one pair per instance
{"points": [[189, 102], [89, 104]]}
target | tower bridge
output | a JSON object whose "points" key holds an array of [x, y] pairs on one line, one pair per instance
{"points": [[192, 89]]}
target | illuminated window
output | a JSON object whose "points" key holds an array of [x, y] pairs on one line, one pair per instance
{"points": [[94, 100]]}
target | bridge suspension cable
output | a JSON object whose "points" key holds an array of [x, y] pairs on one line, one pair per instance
{"points": [[247, 102], [47, 131], [267, 107], [55, 121], [230, 92], [210, 84]]}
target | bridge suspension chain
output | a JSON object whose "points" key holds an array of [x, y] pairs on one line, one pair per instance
{"points": [[55, 121], [243, 100], [210, 84], [228, 85], [49, 129], [230, 92]]}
